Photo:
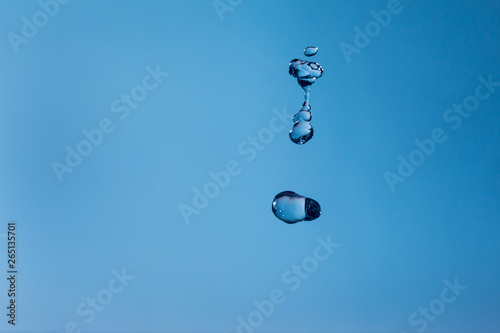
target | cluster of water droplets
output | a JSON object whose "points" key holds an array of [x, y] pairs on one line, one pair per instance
{"points": [[306, 73], [289, 206]]}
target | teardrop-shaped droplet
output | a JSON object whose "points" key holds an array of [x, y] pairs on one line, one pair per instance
{"points": [[310, 51], [302, 115], [301, 132], [291, 207]]}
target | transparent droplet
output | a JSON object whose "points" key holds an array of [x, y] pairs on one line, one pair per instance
{"points": [[302, 115], [310, 51], [305, 72], [306, 106], [307, 90], [301, 132], [291, 207]]}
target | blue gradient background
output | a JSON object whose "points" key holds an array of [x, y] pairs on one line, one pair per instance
{"points": [[119, 208]]}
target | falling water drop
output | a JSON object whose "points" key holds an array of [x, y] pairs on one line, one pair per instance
{"points": [[291, 207], [301, 132], [310, 51], [305, 72]]}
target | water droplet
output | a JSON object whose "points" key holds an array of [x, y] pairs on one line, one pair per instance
{"points": [[310, 51], [307, 90], [291, 207], [301, 132], [305, 72], [306, 106], [302, 115]]}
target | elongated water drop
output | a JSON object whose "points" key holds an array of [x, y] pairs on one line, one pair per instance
{"points": [[301, 132], [306, 73], [291, 207], [307, 90], [310, 51]]}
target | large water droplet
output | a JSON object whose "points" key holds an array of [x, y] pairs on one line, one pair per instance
{"points": [[310, 51], [305, 72], [291, 207], [301, 132]]}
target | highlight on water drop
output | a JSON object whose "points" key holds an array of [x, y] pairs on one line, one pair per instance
{"points": [[291, 207]]}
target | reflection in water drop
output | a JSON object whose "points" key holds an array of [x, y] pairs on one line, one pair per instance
{"points": [[301, 132], [310, 51], [291, 207]]}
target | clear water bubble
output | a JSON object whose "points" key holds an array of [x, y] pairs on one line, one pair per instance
{"points": [[291, 207], [310, 51], [301, 132], [302, 115]]}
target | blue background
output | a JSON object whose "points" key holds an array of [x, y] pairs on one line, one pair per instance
{"points": [[120, 206]]}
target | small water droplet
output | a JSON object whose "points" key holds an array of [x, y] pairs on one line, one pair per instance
{"points": [[310, 51], [291, 207], [301, 132], [302, 115]]}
